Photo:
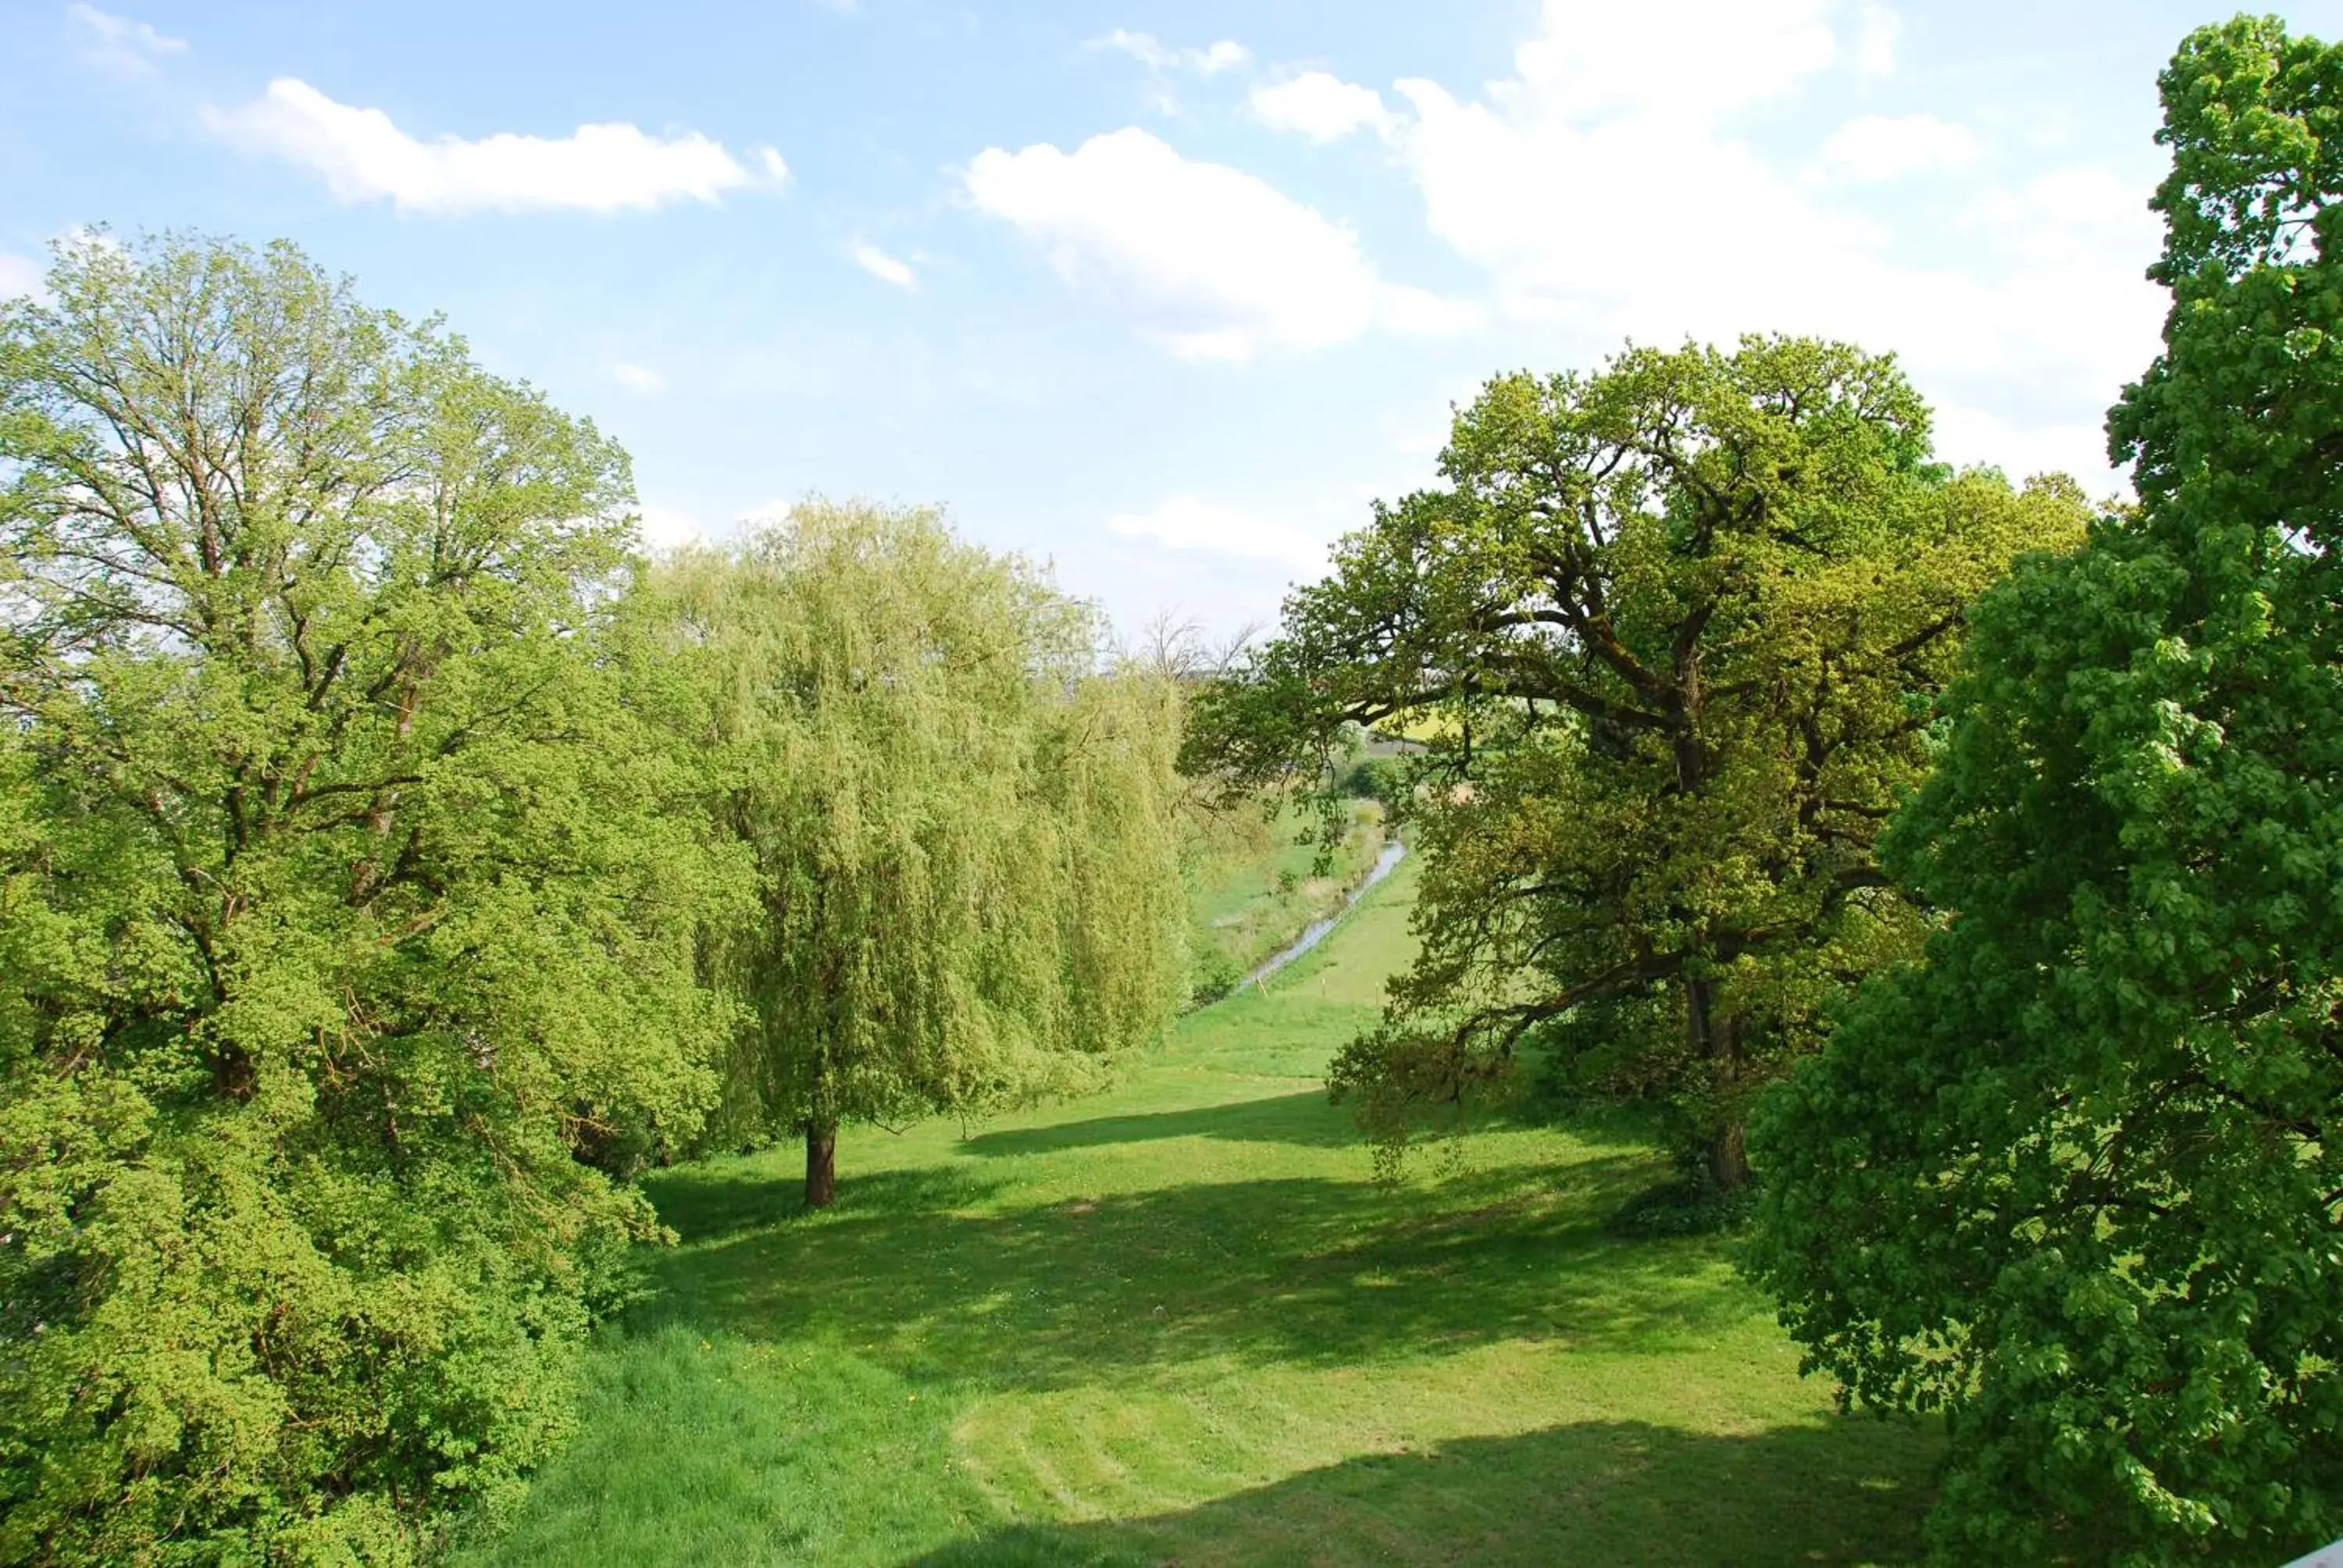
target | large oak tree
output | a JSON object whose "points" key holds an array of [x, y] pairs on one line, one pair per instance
{"points": [[1669, 635]]}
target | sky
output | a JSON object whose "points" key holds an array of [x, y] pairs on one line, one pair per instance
{"points": [[1162, 295]]}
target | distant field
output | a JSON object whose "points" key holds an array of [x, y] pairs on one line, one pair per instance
{"points": [[1254, 887], [1180, 1323]]}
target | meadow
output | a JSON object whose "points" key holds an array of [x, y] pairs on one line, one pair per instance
{"points": [[1183, 1323]]}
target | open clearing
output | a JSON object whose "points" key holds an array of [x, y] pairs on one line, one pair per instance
{"points": [[1182, 1323]]}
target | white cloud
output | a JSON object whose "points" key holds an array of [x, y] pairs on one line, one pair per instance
{"points": [[1876, 147], [1142, 47], [1212, 263], [1187, 524], [637, 379], [2062, 215], [2036, 308], [1697, 57], [1412, 312], [1321, 107], [19, 274], [1226, 55], [2019, 448], [667, 527], [1876, 32], [601, 168], [119, 44], [884, 267]]}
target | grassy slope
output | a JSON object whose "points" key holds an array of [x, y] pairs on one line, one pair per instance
{"points": [[1182, 1323]]}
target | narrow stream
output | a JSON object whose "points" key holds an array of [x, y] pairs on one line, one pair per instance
{"points": [[1317, 929]]}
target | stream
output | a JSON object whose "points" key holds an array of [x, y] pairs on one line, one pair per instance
{"points": [[1317, 929]]}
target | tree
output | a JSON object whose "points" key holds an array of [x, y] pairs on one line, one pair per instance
{"points": [[1669, 635], [964, 835], [2074, 1180], [339, 929]]}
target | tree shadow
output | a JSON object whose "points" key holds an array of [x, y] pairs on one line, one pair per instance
{"points": [[1306, 1119], [709, 1199], [1846, 1491], [1309, 1120], [1295, 1271]]}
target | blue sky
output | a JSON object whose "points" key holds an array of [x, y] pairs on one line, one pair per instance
{"points": [[1163, 294]]}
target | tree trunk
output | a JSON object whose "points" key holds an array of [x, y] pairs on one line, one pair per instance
{"points": [[822, 1164], [1716, 1037], [1728, 1156]]}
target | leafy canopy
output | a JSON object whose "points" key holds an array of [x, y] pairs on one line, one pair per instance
{"points": [[2072, 1180], [1667, 637], [339, 925]]}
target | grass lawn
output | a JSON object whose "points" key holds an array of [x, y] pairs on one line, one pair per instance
{"points": [[1182, 1323]]}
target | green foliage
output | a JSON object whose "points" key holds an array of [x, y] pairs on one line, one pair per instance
{"points": [[339, 928], [965, 839], [1668, 638], [1383, 780], [2072, 1180], [1215, 974]]}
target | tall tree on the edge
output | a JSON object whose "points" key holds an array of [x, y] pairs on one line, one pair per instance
{"points": [[964, 837], [2074, 1184], [348, 917], [1669, 638]]}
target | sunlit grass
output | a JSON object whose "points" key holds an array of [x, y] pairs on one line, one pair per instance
{"points": [[1181, 1323]]}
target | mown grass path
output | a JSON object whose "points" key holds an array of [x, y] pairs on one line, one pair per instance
{"points": [[1182, 1323]]}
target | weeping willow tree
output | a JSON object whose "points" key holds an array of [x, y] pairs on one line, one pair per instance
{"points": [[964, 834]]}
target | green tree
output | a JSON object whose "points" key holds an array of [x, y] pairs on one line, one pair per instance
{"points": [[2072, 1181], [965, 837], [338, 931], [1669, 635]]}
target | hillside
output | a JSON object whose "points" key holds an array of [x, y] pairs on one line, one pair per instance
{"points": [[1181, 1323]]}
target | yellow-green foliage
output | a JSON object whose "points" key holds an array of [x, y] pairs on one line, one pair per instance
{"points": [[964, 835], [341, 934]]}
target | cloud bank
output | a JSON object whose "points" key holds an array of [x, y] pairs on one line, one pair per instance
{"points": [[1609, 190]]}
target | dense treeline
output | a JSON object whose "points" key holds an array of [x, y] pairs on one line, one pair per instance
{"points": [[390, 867]]}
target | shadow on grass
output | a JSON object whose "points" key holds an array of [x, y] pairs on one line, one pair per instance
{"points": [[1306, 1119], [1292, 1270], [727, 1196], [1309, 1120], [1596, 1493]]}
